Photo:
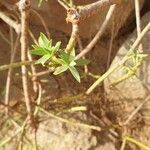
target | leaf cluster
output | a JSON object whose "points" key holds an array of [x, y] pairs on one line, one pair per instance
{"points": [[56, 58]]}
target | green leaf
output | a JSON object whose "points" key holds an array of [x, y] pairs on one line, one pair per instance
{"points": [[60, 70], [52, 51], [75, 73], [67, 58], [43, 59], [61, 62], [44, 41], [57, 46], [40, 51], [73, 63], [137, 56], [64, 56], [82, 62]]}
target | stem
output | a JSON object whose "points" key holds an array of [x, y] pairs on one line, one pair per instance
{"points": [[72, 42], [90, 9], [42, 21], [97, 128], [24, 9], [136, 111], [111, 43], [33, 69], [9, 75], [73, 17], [138, 24], [64, 4], [141, 145], [16, 65], [10, 22], [99, 33]]}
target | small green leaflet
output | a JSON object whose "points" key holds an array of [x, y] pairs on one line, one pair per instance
{"points": [[43, 59], [60, 69], [45, 49], [44, 42], [137, 56], [75, 73]]}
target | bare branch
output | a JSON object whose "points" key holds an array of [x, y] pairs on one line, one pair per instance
{"points": [[24, 6], [99, 33], [138, 24], [73, 17], [16, 65], [9, 75], [90, 9], [136, 110], [10, 22]]}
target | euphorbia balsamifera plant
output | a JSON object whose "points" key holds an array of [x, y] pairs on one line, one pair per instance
{"points": [[55, 58]]}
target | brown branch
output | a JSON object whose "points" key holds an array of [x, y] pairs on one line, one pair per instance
{"points": [[72, 17], [64, 4], [90, 9], [81, 48], [38, 74], [99, 33], [16, 65], [136, 111], [42, 21], [9, 75], [24, 6], [138, 23], [33, 69], [10, 22], [111, 44], [76, 15]]}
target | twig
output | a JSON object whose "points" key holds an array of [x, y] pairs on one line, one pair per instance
{"points": [[38, 100], [42, 21], [73, 17], [9, 75], [132, 140], [33, 69], [64, 4], [10, 22], [90, 9], [16, 65], [136, 111], [138, 24], [4, 38], [24, 6], [70, 122], [111, 43], [113, 68], [33, 37], [123, 144], [38, 74], [80, 48], [99, 33]]}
